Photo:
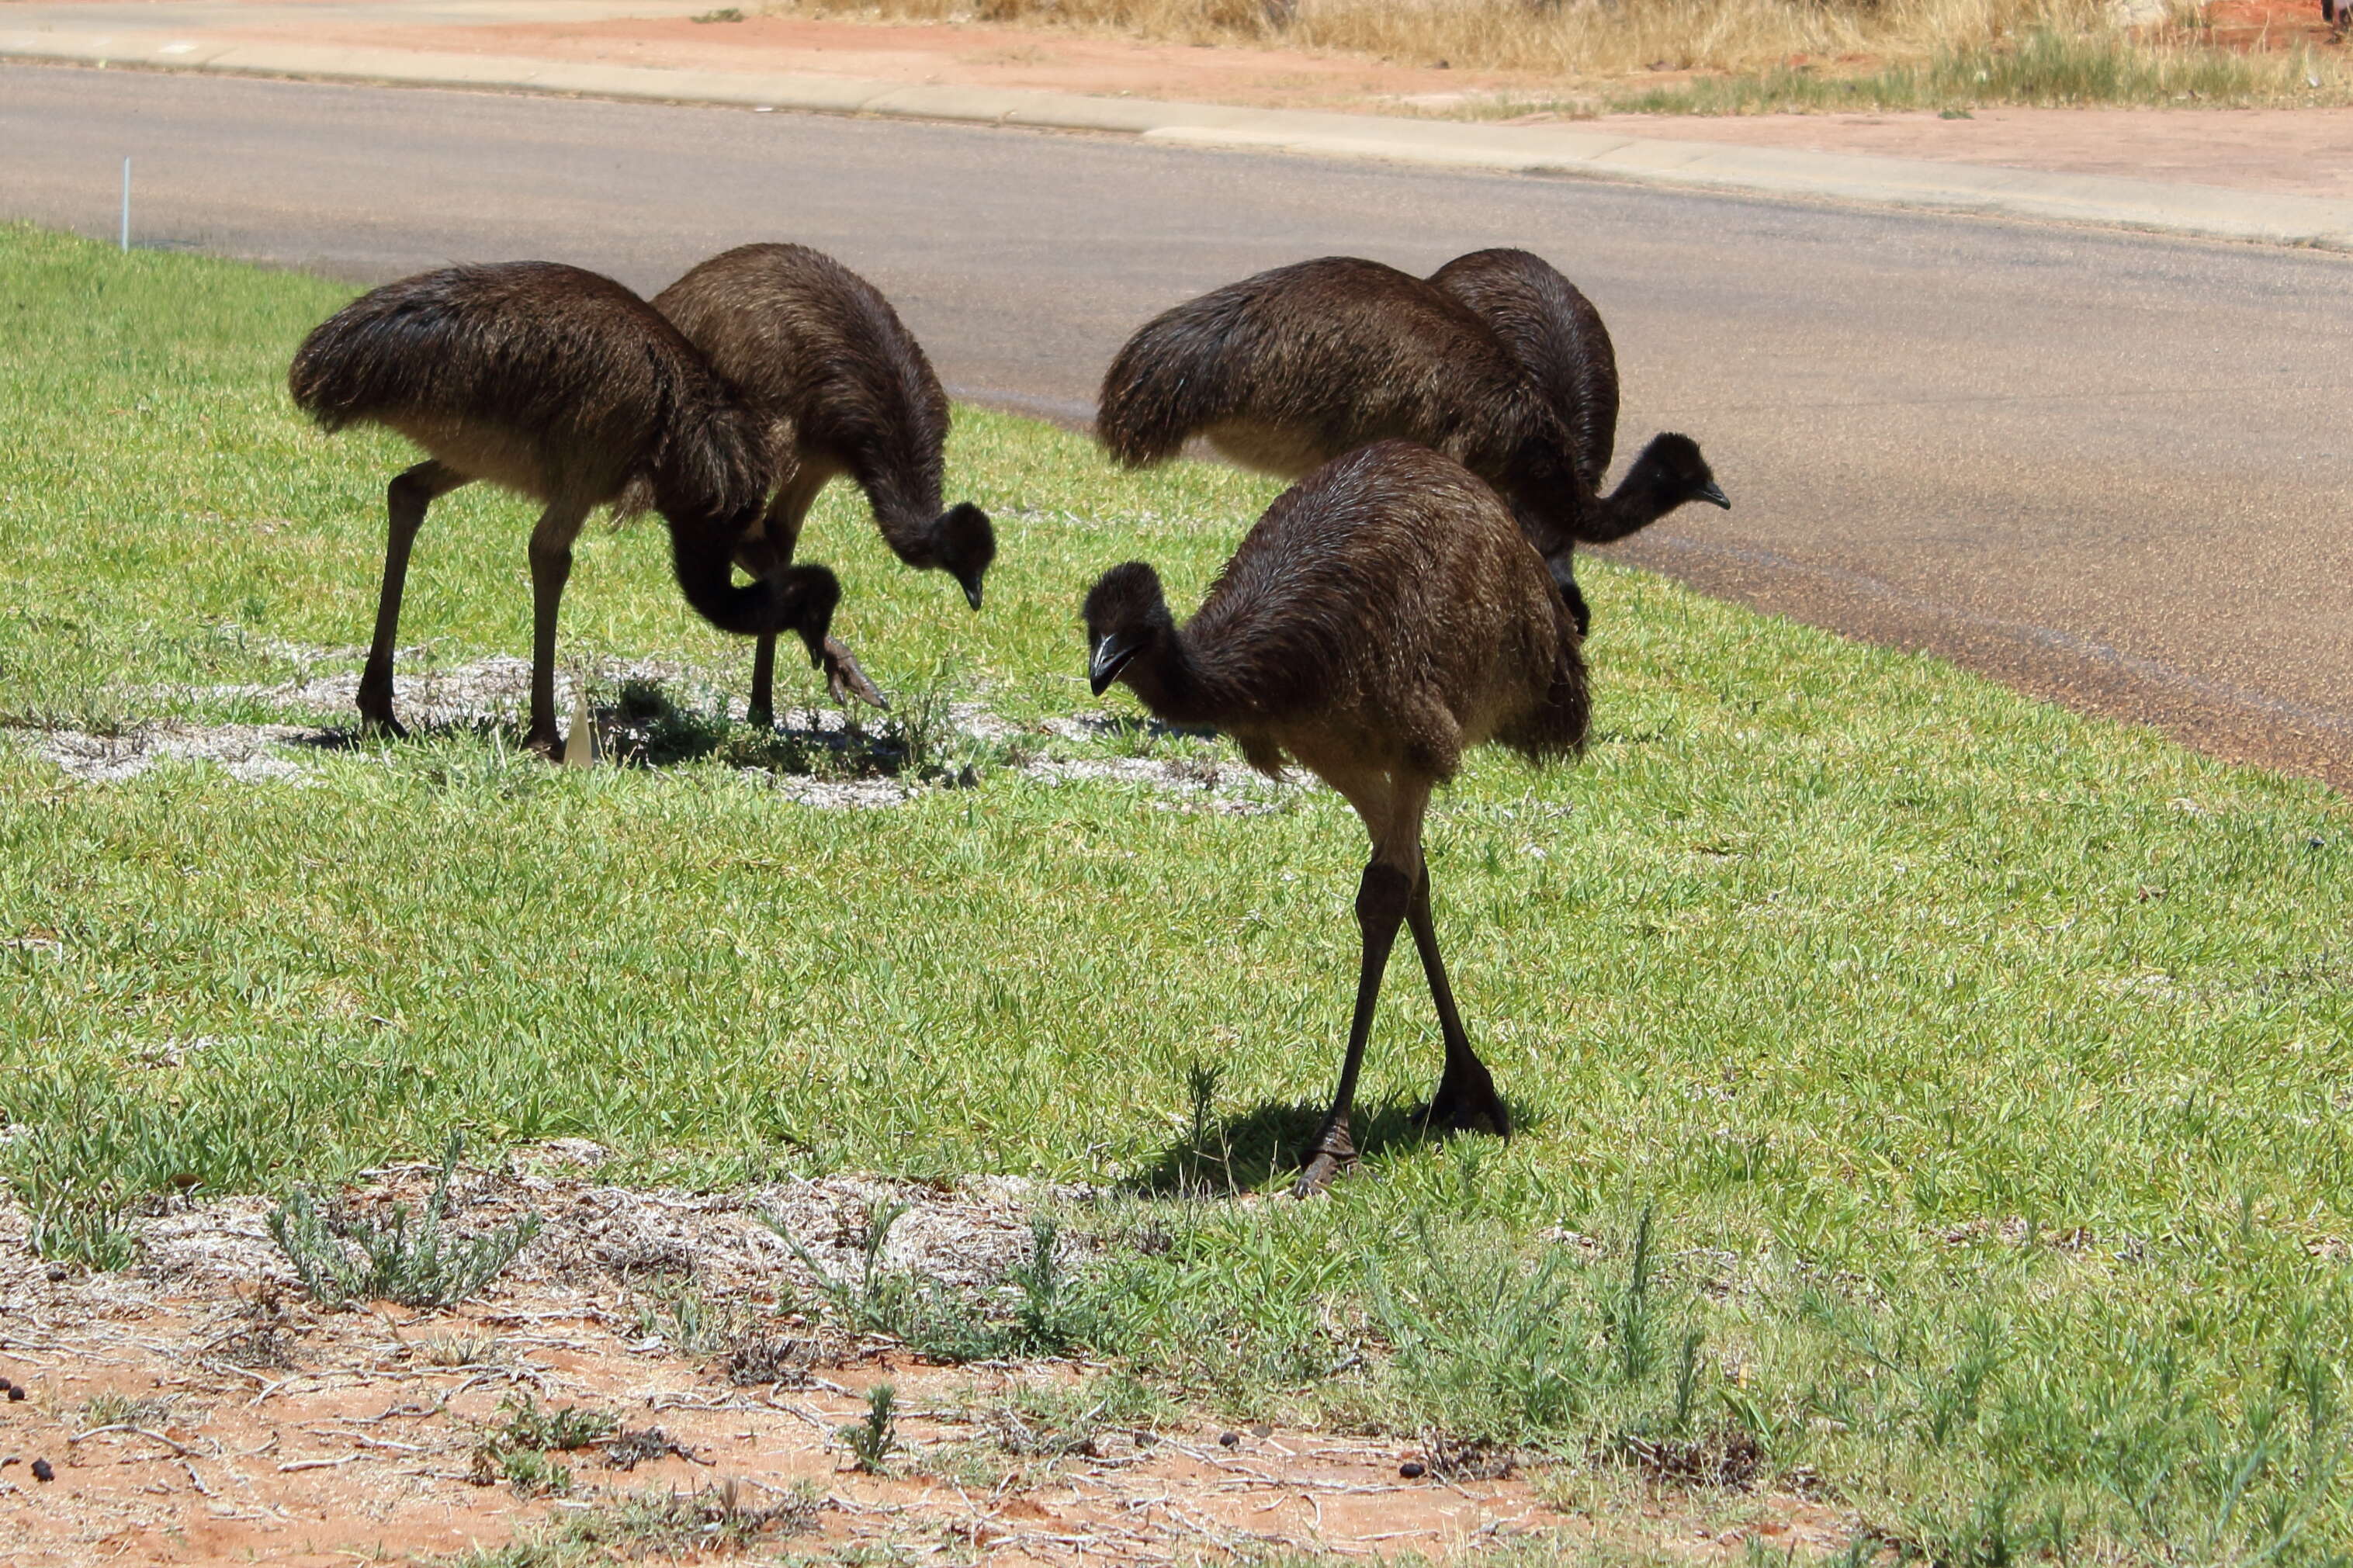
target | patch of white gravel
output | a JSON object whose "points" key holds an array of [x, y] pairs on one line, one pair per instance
{"points": [[969, 1234], [251, 753], [496, 690]]}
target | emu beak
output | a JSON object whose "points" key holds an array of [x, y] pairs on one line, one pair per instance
{"points": [[972, 592], [1714, 494], [1111, 657]]}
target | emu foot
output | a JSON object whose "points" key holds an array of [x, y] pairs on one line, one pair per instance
{"points": [[1331, 1154], [844, 679], [375, 709], [547, 743], [1465, 1103]]}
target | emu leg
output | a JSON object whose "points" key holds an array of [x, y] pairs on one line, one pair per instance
{"points": [[550, 567], [787, 512], [1466, 1095], [1382, 897], [404, 501]]}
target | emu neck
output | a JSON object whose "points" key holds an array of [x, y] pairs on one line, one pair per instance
{"points": [[905, 497], [1633, 505], [1176, 683]]}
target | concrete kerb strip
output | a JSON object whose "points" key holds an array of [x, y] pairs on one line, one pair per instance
{"points": [[2152, 205]]}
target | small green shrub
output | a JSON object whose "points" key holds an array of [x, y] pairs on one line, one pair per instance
{"points": [[871, 1441], [419, 1267]]}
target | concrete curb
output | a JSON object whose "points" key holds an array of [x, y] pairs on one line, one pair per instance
{"points": [[2150, 205]]}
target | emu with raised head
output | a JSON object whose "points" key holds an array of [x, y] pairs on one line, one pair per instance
{"points": [[1287, 370], [820, 354], [1383, 617], [563, 386]]}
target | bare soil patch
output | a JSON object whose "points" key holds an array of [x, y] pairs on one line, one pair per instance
{"points": [[198, 1408]]}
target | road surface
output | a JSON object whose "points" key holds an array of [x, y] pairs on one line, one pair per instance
{"points": [[2110, 471]]}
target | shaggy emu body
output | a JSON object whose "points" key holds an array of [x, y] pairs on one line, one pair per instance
{"points": [[1287, 370], [845, 389], [565, 387], [1552, 330], [1384, 616]]}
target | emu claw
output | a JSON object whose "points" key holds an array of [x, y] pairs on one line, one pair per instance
{"points": [[1333, 1153], [845, 680]]}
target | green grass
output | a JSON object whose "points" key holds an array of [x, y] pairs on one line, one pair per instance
{"points": [[2047, 69], [1950, 1092]]}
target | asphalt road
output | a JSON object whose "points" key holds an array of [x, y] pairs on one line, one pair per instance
{"points": [[2111, 470]]}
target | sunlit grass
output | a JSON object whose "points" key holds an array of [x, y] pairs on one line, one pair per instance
{"points": [[1982, 1068]]}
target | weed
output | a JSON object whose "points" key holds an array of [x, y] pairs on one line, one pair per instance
{"points": [[724, 13], [716, 1520], [1050, 1316], [676, 1309], [112, 1409], [422, 1267], [871, 1440], [526, 1424], [530, 1472], [458, 1350]]}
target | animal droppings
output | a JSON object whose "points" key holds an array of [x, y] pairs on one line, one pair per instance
{"points": [[42, 1472], [1412, 1470]]}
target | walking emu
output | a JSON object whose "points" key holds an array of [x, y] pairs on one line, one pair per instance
{"points": [[563, 386], [1382, 617], [818, 353], [1286, 369]]}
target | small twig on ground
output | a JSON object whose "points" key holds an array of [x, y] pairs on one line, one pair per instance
{"points": [[171, 1443]]}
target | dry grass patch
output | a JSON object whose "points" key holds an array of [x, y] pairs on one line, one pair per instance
{"points": [[1733, 56]]}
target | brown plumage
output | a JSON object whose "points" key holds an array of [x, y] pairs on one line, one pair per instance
{"points": [[1384, 616], [1286, 369], [845, 389], [563, 386], [1547, 324]]}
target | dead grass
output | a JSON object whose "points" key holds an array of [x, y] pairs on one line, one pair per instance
{"points": [[1575, 38], [1729, 56]]}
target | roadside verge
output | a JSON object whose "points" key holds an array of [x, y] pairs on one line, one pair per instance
{"points": [[1592, 152]]}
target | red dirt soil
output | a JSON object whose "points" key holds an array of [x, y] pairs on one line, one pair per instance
{"points": [[199, 1409]]}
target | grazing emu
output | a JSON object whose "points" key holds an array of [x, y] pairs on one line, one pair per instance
{"points": [[1289, 369], [1383, 616], [565, 387], [818, 353]]}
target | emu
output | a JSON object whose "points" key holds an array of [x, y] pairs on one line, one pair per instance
{"points": [[819, 353], [1382, 617], [1286, 369], [563, 386]]}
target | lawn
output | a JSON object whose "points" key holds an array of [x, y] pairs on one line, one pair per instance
{"points": [[1933, 1102]]}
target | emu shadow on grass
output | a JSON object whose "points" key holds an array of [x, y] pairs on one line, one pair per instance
{"points": [[1252, 1149], [646, 728]]}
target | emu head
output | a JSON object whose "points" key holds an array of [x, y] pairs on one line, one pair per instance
{"points": [[963, 543], [1125, 616], [1669, 472]]}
